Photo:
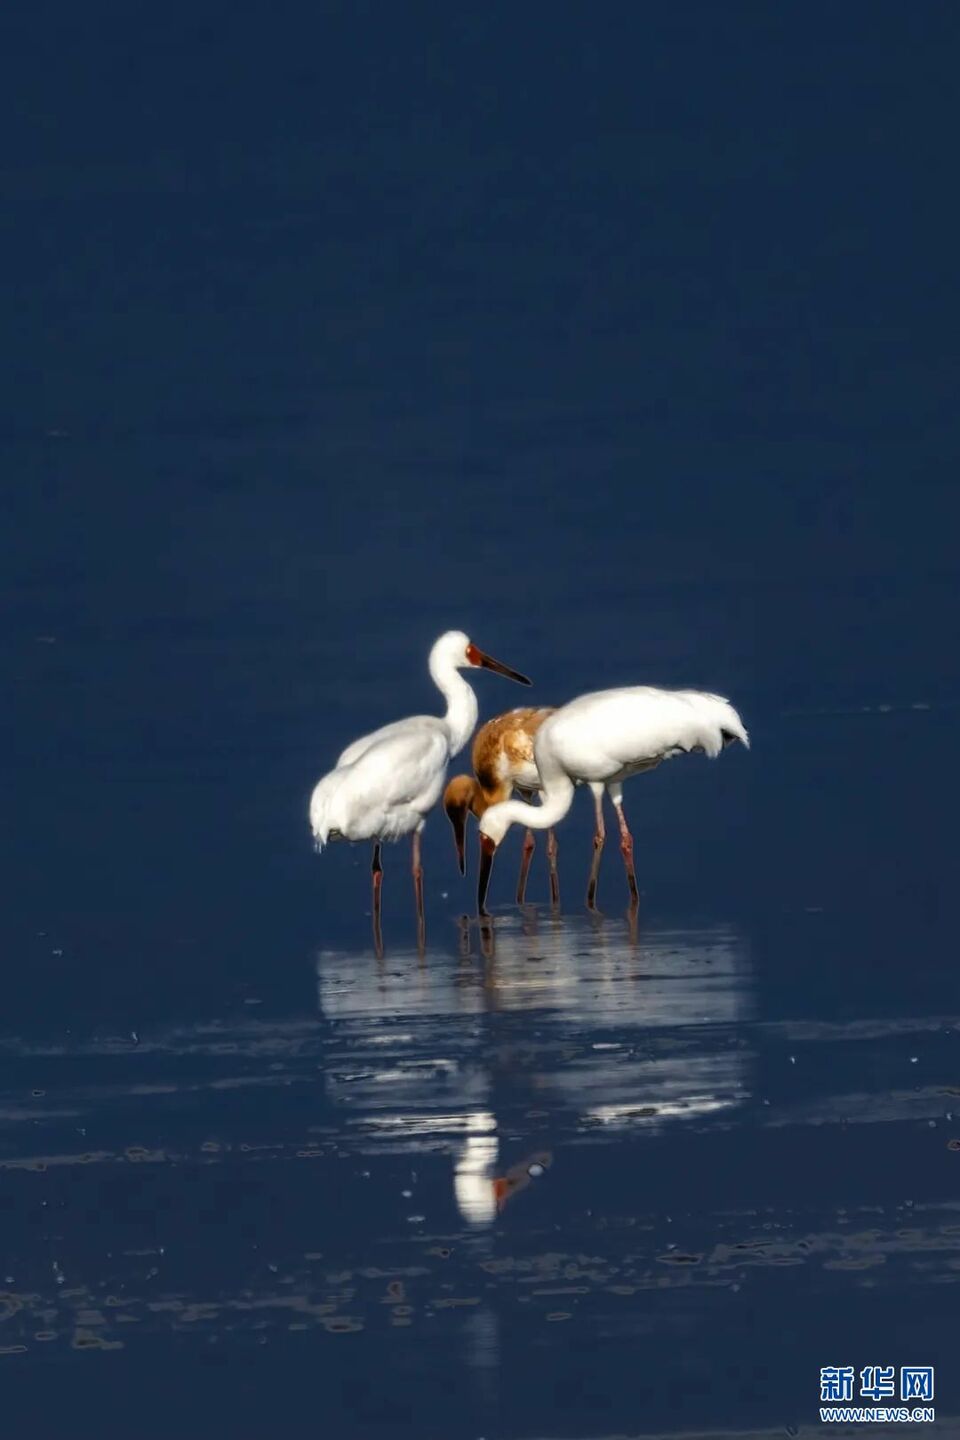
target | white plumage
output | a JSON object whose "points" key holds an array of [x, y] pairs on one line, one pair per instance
{"points": [[602, 739], [385, 783], [612, 734], [387, 790]]}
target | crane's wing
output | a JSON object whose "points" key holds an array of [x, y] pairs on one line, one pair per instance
{"points": [[404, 767], [359, 747], [388, 789]]}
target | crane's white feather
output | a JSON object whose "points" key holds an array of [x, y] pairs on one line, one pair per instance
{"points": [[385, 783], [604, 737], [357, 748], [611, 734], [387, 791]]}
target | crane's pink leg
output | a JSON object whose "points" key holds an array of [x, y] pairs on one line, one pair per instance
{"points": [[626, 849], [525, 858], [599, 835], [418, 890], [376, 870], [552, 852]]}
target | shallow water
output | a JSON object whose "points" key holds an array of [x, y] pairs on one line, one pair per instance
{"points": [[628, 348], [724, 1148]]}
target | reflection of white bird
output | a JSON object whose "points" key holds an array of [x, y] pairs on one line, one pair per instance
{"points": [[602, 739], [385, 783], [664, 1039], [473, 1173]]}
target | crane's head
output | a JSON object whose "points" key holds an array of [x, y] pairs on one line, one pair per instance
{"points": [[461, 797], [493, 826], [518, 1177], [458, 650]]}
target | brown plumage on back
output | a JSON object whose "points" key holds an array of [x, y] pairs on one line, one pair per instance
{"points": [[503, 761], [503, 749]]}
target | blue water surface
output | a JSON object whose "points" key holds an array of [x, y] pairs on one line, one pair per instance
{"points": [[623, 339]]}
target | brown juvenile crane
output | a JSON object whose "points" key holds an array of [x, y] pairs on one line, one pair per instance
{"points": [[502, 758]]}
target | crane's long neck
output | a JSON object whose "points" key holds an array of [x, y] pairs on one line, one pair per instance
{"points": [[462, 711], [556, 797]]}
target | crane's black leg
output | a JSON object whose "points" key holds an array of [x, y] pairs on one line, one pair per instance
{"points": [[626, 849], [552, 852], [376, 871], [418, 892], [525, 858], [599, 835]]}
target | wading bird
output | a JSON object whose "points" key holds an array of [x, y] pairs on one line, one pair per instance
{"points": [[385, 783], [602, 739], [502, 758]]}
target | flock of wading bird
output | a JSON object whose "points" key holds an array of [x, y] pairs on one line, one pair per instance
{"points": [[386, 783]]}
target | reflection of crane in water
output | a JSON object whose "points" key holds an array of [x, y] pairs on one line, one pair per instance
{"points": [[568, 1034]]}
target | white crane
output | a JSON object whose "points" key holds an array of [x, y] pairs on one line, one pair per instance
{"points": [[600, 740], [385, 783]]}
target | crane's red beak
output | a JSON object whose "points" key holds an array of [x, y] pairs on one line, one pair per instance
{"points": [[477, 657], [488, 849]]}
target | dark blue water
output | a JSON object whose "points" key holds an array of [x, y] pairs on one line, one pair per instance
{"points": [[625, 340]]}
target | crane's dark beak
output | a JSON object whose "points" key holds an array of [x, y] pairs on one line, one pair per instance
{"points": [[488, 849], [457, 815], [477, 657]]}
